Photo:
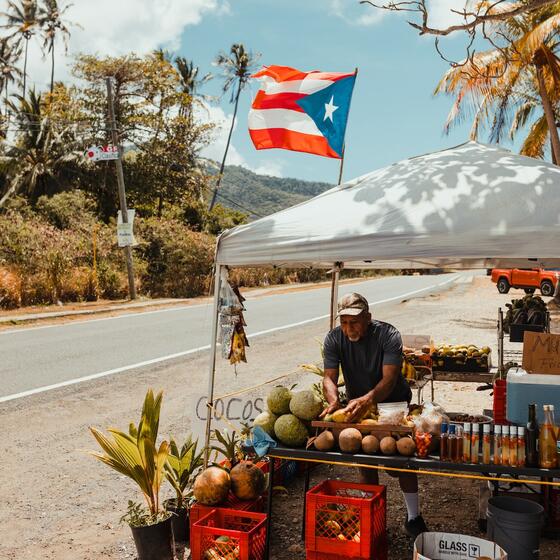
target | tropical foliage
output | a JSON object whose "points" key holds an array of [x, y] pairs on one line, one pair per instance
{"points": [[513, 89], [137, 455]]}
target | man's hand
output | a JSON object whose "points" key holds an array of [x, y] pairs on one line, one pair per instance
{"points": [[358, 407], [330, 409]]}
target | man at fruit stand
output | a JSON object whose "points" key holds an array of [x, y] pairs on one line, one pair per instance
{"points": [[370, 355]]}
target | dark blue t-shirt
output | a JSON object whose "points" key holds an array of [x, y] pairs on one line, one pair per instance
{"points": [[362, 361]]}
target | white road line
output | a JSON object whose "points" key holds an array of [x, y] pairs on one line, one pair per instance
{"points": [[201, 348]]}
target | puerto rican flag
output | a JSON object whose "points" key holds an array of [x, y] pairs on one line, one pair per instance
{"points": [[301, 111]]}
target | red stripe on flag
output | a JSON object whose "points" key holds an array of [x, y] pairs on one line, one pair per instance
{"points": [[268, 138], [278, 101], [287, 74]]}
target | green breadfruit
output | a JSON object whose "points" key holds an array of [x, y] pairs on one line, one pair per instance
{"points": [[306, 405], [291, 431], [278, 400]]}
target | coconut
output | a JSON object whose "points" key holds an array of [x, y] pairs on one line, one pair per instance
{"points": [[406, 446], [305, 405], [247, 481], [350, 440], [290, 430], [211, 486], [388, 445], [324, 441], [266, 421], [278, 400], [370, 444]]}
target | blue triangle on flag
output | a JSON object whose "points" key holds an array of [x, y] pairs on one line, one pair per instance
{"points": [[329, 109]]}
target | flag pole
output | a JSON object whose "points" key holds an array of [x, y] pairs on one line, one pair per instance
{"points": [[344, 146]]}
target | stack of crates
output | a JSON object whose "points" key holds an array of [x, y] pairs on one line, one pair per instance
{"points": [[499, 407], [225, 533], [346, 520]]}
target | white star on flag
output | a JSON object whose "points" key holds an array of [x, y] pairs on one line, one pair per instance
{"points": [[330, 108]]}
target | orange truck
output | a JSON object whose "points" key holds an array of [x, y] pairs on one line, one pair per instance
{"points": [[528, 279]]}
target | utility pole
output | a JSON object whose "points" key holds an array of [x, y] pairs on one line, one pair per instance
{"points": [[122, 193]]}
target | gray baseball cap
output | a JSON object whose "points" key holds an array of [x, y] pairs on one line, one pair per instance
{"points": [[352, 304]]}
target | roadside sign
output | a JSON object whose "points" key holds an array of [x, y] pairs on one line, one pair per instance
{"points": [[228, 413], [102, 153], [541, 353], [125, 232]]}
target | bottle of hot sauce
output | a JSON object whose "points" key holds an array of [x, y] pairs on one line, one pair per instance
{"points": [[521, 452], [548, 453], [505, 445], [466, 442], [443, 443], [486, 444], [498, 444], [474, 443], [513, 446]]}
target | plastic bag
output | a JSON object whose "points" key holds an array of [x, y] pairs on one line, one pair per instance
{"points": [[431, 418], [392, 413]]}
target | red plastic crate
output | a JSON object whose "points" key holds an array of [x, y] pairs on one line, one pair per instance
{"points": [[499, 407], [198, 511], [230, 534], [346, 520]]}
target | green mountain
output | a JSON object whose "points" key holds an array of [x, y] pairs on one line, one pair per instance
{"points": [[264, 194]]}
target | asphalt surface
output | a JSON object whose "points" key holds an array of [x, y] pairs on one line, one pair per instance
{"points": [[38, 358]]}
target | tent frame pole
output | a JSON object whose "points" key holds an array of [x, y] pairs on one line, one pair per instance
{"points": [[212, 367], [337, 267]]}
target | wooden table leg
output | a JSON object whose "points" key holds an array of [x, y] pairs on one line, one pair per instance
{"points": [[269, 507]]}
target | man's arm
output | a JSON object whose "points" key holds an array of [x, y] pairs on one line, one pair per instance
{"points": [[330, 390], [358, 407]]}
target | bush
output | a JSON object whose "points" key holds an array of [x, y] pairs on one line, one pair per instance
{"points": [[68, 209], [179, 261], [10, 288]]}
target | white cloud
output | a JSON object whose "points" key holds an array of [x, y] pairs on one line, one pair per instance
{"points": [[441, 14], [116, 27], [356, 14], [269, 167]]}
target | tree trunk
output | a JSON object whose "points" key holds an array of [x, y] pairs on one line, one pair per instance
{"points": [[215, 193], [549, 114], [554, 141], [52, 65], [25, 66]]}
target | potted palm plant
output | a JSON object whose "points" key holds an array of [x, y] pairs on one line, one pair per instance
{"points": [[135, 455], [182, 464]]}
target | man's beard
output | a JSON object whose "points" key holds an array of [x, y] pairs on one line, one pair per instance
{"points": [[353, 339]]}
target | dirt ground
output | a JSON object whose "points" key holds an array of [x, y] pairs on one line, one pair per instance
{"points": [[58, 503]]}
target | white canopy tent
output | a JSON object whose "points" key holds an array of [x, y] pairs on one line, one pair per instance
{"points": [[469, 206], [472, 206]]}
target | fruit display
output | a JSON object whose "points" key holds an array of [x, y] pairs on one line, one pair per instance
{"points": [[350, 440], [370, 444], [291, 431], [415, 362], [305, 405], [248, 482], [340, 522], [266, 421], [461, 357], [212, 486], [278, 400]]}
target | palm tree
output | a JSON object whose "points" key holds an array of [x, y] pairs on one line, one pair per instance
{"points": [[22, 20], [51, 20], [189, 80], [37, 162], [237, 68], [9, 72], [505, 87]]}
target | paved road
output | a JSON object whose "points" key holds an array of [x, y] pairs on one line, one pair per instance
{"points": [[37, 358]]}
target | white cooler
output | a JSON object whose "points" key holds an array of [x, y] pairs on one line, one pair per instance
{"points": [[525, 388]]}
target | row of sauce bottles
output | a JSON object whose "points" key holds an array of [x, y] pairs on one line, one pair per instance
{"points": [[533, 446]]}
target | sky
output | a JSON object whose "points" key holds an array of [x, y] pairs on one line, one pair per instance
{"points": [[393, 115]]}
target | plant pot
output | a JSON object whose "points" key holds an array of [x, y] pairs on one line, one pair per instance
{"points": [[154, 542], [179, 521]]}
